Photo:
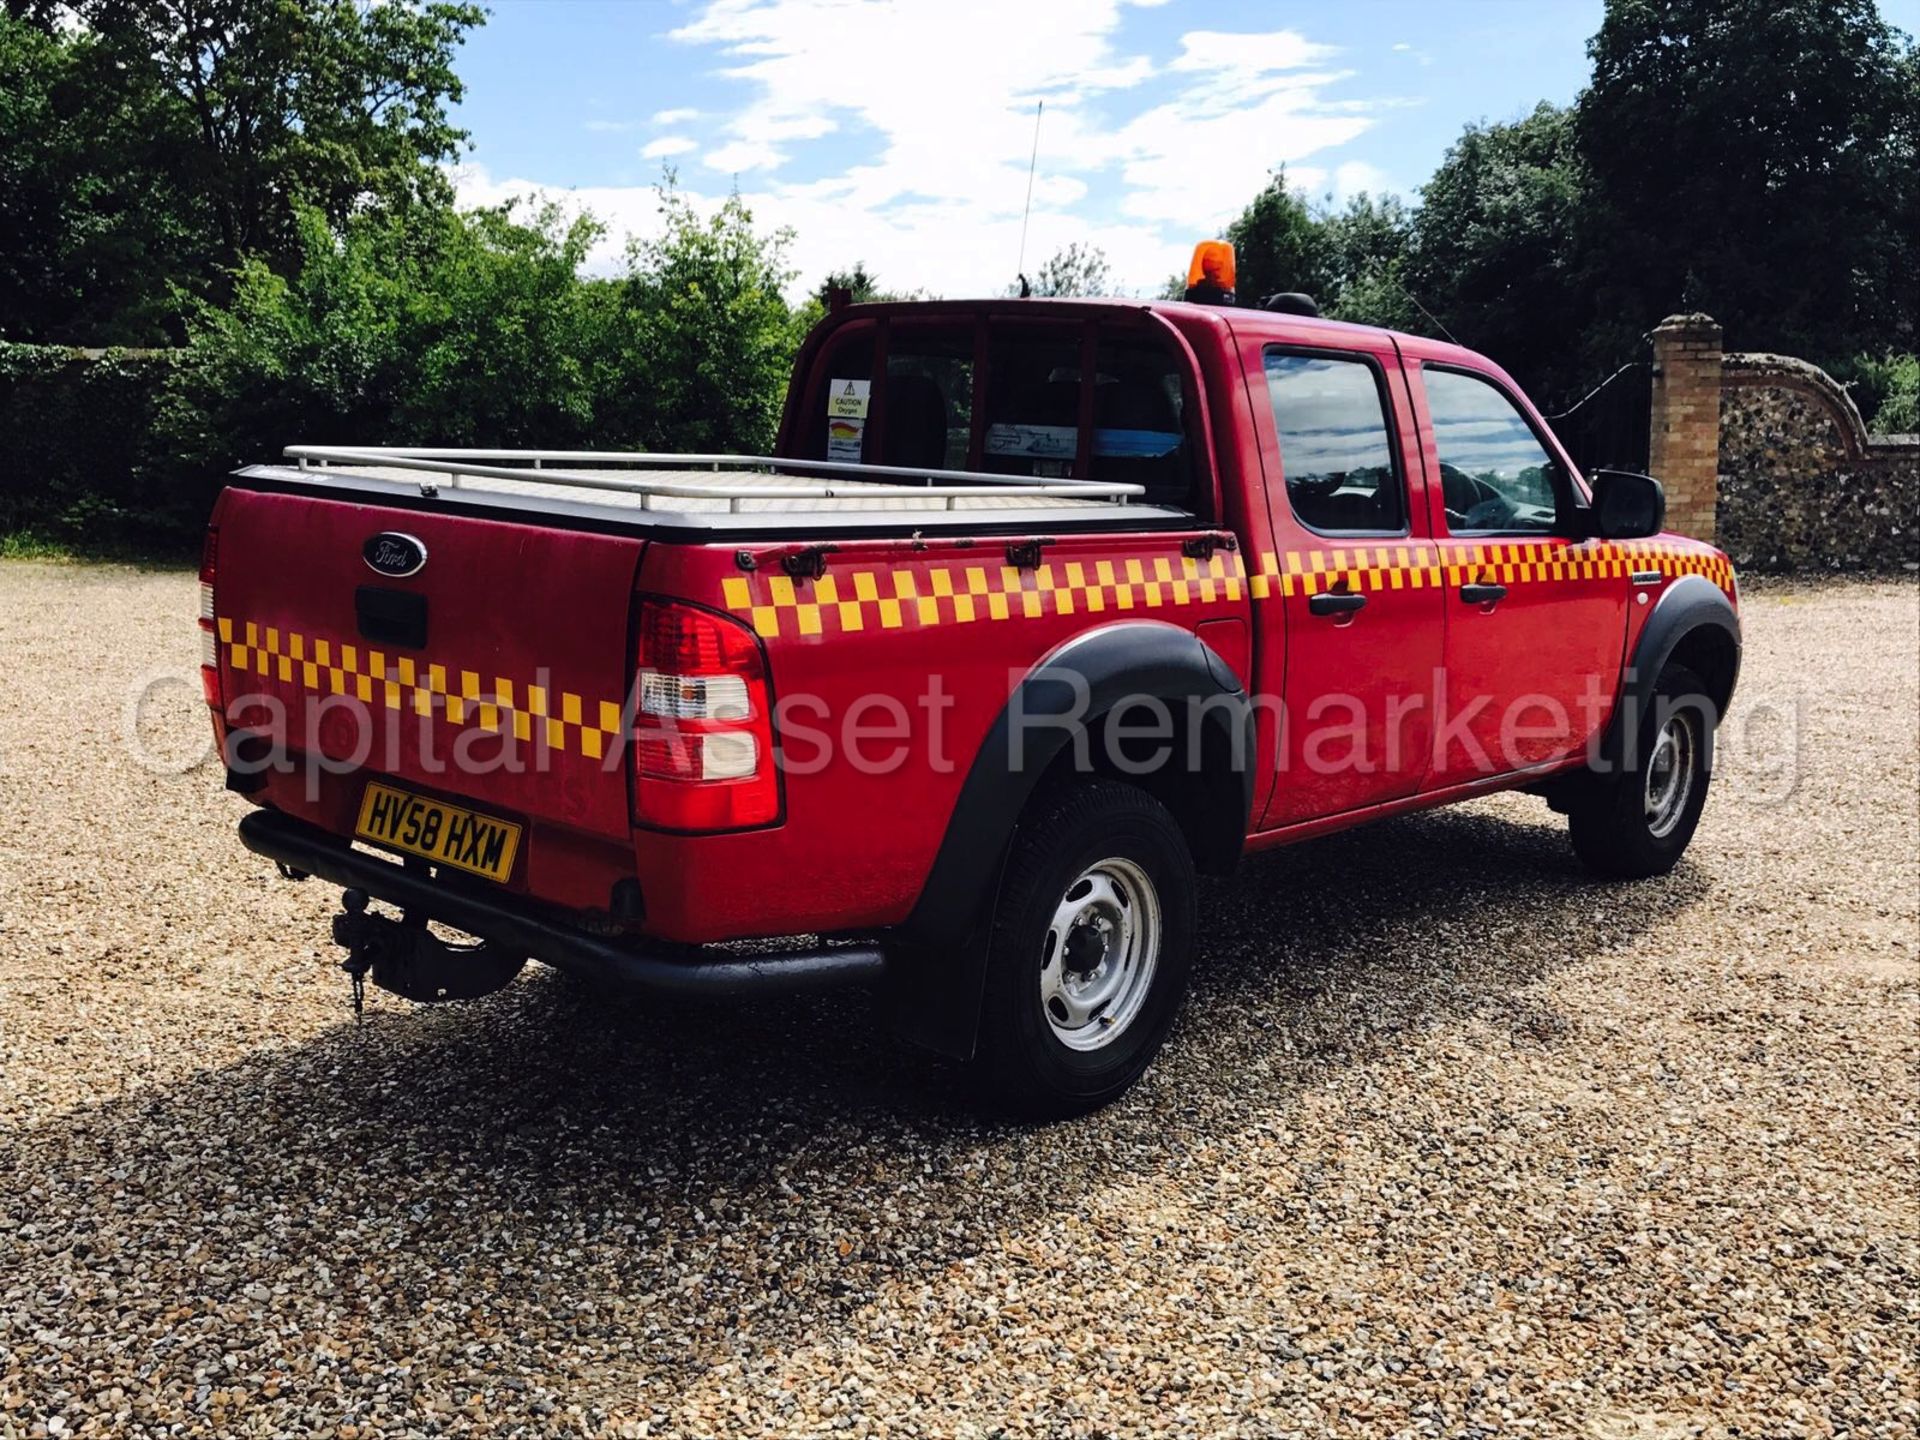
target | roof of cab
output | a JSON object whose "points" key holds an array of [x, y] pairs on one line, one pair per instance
{"points": [[1283, 327], [1251, 321]]}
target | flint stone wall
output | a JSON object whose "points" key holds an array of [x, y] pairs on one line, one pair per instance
{"points": [[1802, 486]]}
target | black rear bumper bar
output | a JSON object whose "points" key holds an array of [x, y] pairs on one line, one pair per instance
{"points": [[680, 970]]}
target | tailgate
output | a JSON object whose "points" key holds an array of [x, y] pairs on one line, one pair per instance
{"points": [[495, 672]]}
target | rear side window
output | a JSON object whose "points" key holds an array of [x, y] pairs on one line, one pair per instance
{"points": [[1495, 475], [1335, 448]]}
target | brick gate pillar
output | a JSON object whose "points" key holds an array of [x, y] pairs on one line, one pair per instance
{"points": [[1684, 453]]}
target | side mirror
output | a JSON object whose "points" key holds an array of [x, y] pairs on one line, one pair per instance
{"points": [[1627, 506]]}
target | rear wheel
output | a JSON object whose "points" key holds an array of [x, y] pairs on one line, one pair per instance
{"points": [[1637, 822], [1090, 949]]}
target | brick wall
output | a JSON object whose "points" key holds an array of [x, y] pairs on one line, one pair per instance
{"points": [[1685, 439]]}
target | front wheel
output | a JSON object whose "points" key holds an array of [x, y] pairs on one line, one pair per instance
{"points": [[1637, 822], [1090, 949]]}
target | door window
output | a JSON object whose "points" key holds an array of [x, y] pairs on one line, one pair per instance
{"points": [[1335, 449], [1495, 475]]}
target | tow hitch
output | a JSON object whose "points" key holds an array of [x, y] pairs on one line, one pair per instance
{"points": [[406, 958]]}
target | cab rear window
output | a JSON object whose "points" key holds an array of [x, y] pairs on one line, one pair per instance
{"points": [[1008, 397]]}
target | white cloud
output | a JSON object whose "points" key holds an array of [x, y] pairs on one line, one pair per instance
{"points": [[667, 145], [739, 156], [1241, 67], [1354, 177], [937, 101], [675, 117], [923, 245]]}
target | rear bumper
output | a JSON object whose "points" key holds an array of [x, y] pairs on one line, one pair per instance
{"points": [[680, 970]]}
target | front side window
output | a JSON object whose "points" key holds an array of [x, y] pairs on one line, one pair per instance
{"points": [[1334, 447], [1495, 476]]}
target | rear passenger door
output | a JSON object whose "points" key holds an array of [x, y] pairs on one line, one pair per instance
{"points": [[1349, 579], [1536, 621]]}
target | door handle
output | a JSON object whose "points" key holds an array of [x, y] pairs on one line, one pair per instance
{"points": [[1335, 602], [1482, 594]]}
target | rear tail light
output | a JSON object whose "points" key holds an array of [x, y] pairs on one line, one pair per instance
{"points": [[703, 724], [209, 635]]}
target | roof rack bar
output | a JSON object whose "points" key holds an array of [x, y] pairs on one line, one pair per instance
{"points": [[537, 459], [864, 484], [860, 488]]}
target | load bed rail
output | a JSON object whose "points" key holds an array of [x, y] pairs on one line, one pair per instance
{"points": [[732, 483]]}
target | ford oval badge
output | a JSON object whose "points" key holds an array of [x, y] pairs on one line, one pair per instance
{"points": [[391, 553]]}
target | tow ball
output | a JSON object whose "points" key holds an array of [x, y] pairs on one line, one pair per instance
{"points": [[409, 960]]}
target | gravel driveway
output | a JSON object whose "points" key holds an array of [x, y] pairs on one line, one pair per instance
{"points": [[1450, 1141]]}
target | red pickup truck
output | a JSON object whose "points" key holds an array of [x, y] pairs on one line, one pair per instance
{"points": [[1039, 608]]}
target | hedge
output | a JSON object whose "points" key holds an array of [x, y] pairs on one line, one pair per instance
{"points": [[79, 464]]}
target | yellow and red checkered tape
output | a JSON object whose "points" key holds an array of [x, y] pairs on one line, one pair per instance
{"points": [[528, 709], [1415, 565], [897, 597], [860, 597]]}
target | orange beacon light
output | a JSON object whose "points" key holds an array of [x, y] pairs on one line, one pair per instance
{"points": [[1210, 276]]}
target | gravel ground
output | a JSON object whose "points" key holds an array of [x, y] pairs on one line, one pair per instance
{"points": [[1450, 1141]]}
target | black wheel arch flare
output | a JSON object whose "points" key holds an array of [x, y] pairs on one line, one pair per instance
{"points": [[941, 949], [1693, 622]]}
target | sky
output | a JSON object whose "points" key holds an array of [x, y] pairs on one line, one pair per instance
{"points": [[899, 132]]}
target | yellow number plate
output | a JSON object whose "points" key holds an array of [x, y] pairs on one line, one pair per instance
{"points": [[445, 834]]}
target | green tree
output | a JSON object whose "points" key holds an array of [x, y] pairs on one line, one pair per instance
{"points": [[1499, 250], [148, 148], [420, 326], [858, 282], [1280, 244], [1885, 388], [1898, 412], [1371, 240], [1077, 270], [292, 103], [706, 338], [1757, 159], [94, 226], [1351, 259]]}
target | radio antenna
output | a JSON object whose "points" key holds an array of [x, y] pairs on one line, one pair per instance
{"points": [[1021, 269]]}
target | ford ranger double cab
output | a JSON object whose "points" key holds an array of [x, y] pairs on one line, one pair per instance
{"points": [[1038, 609]]}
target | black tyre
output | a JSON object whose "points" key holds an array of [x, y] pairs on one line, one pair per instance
{"points": [[1637, 821], [1091, 946]]}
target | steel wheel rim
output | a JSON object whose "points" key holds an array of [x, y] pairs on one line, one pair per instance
{"points": [[1670, 773], [1101, 950]]}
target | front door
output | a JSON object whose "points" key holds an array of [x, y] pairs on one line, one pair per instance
{"points": [[1350, 578], [1536, 622]]}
